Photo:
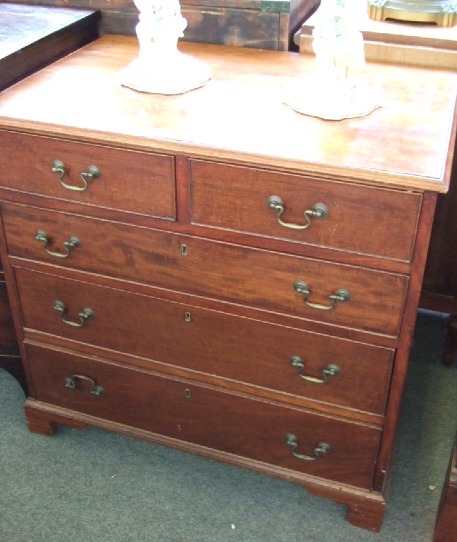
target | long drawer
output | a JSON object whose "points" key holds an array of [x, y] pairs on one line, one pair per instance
{"points": [[300, 363], [302, 287], [256, 429], [237, 198], [137, 182]]}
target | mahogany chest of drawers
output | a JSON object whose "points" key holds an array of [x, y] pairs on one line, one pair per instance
{"points": [[217, 273]]}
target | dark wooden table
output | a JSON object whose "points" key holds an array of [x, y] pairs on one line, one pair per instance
{"points": [[34, 36]]}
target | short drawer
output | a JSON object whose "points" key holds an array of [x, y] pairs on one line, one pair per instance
{"points": [[235, 424], [296, 286], [362, 220], [137, 182], [320, 367]]}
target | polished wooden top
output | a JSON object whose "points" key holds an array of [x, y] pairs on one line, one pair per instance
{"points": [[239, 116]]}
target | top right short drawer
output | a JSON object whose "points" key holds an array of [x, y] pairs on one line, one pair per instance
{"points": [[360, 219]]}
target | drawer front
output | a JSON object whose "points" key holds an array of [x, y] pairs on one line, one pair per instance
{"points": [[267, 355], [259, 278], [205, 416], [363, 220], [138, 182]]}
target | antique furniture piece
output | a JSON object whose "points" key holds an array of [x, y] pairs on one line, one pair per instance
{"points": [[263, 24], [216, 272], [30, 38]]}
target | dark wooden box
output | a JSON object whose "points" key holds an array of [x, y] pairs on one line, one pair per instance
{"points": [[264, 24]]}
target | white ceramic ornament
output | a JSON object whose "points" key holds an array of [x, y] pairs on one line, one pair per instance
{"points": [[160, 67], [335, 93]]}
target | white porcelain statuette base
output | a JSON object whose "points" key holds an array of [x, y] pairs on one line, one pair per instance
{"points": [[335, 93], [160, 67], [166, 74], [316, 100]]}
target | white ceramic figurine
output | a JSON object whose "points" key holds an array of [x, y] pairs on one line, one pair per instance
{"points": [[338, 43], [160, 67], [160, 25], [337, 90]]}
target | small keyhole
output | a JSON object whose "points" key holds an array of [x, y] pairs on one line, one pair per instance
{"points": [[184, 250], [187, 393], [187, 317]]}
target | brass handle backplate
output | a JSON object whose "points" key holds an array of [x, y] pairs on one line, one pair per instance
{"points": [[276, 204], [91, 173], [68, 246], [341, 295], [321, 449], [330, 370], [71, 384], [83, 316]]}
